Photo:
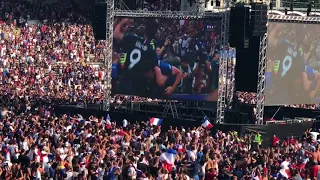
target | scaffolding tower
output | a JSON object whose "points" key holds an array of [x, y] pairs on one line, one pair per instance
{"points": [[223, 68], [261, 80], [108, 55]]}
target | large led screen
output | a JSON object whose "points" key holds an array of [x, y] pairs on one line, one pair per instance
{"points": [[293, 64], [166, 58]]}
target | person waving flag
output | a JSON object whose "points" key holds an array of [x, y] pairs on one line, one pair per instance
{"points": [[206, 123]]}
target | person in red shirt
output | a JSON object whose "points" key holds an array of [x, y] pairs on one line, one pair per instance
{"points": [[314, 170], [275, 141], [210, 174], [291, 140]]}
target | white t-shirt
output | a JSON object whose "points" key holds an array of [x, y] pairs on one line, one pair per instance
{"points": [[132, 172], [314, 136], [124, 123], [69, 176], [285, 165]]}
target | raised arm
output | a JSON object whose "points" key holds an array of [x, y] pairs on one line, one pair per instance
{"points": [[118, 33]]}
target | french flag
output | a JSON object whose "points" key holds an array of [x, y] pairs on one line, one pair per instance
{"points": [[42, 89], [156, 121], [180, 148], [7, 155], [285, 173], [108, 122], [255, 177], [303, 164], [168, 158], [206, 123]]}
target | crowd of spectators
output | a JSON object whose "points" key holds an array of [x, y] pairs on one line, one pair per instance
{"points": [[42, 63], [37, 144], [53, 60]]}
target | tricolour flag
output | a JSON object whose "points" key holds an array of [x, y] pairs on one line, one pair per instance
{"points": [[168, 158], [7, 155], [303, 164], [156, 121], [108, 122], [206, 123], [180, 148], [42, 89], [285, 173]]}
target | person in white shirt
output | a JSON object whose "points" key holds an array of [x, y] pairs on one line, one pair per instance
{"points": [[285, 165], [314, 136], [124, 123], [132, 172]]}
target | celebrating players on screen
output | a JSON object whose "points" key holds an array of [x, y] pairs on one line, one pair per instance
{"points": [[290, 77], [153, 62], [141, 58], [168, 77]]}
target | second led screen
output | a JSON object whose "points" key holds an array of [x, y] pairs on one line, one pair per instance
{"points": [[293, 64]]}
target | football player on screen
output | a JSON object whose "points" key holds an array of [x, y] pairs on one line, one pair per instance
{"points": [[311, 81], [141, 59], [168, 78], [141, 68], [294, 82]]}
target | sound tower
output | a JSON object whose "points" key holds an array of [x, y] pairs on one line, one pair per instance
{"points": [[246, 70], [239, 26], [99, 19], [259, 19]]}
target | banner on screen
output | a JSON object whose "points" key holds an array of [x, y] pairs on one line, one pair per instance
{"points": [[293, 64], [166, 58]]}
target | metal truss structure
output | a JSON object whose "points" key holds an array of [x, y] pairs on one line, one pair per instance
{"points": [[218, 13], [222, 13], [108, 55], [223, 69], [170, 105], [231, 77], [260, 99], [297, 19], [261, 79]]}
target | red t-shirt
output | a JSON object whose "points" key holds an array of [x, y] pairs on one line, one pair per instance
{"points": [[313, 171]]}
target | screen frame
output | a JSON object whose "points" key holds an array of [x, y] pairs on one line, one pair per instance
{"points": [[281, 19], [212, 16]]}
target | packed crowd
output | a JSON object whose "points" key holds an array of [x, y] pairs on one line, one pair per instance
{"points": [[37, 144], [54, 59], [42, 63], [49, 59]]}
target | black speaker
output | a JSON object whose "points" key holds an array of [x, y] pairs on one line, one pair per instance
{"points": [[239, 24], [99, 20], [246, 70], [259, 19]]}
